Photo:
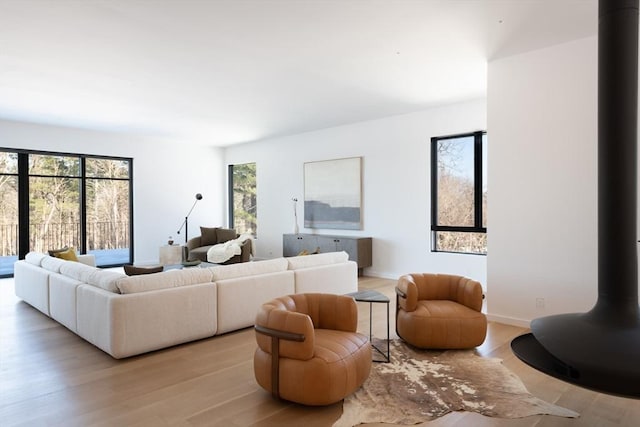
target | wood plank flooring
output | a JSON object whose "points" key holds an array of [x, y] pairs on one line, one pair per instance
{"points": [[49, 376]]}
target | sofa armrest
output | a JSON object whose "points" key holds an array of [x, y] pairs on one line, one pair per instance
{"points": [[87, 259]]}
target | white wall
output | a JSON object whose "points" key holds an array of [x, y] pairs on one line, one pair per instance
{"points": [[542, 239], [166, 178], [396, 192]]}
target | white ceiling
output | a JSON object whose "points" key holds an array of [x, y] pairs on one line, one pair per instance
{"points": [[220, 72]]}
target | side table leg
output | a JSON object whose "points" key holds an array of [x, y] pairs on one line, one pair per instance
{"points": [[388, 352], [370, 322]]}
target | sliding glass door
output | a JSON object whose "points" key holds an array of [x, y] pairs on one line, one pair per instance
{"points": [[51, 200], [54, 202], [108, 201]]}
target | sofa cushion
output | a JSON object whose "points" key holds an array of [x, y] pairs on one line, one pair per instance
{"points": [[31, 283], [76, 270], [52, 263], [164, 280], [105, 279], [62, 299], [225, 234], [208, 236], [34, 258], [307, 261], [223, 272]]}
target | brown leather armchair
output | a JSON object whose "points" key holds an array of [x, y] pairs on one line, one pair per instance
{"points": [[196, 248], [308, 349], [440, 311]]}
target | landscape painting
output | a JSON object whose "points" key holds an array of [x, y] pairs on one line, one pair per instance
{"points": [[332, 194]]}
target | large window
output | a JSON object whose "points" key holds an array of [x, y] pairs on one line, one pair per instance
{"points": [[459, 193], [53, 200], [108, 214], [242, 198], [8, 212]]}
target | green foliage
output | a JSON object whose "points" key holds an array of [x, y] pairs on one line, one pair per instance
{"points": [[55, 199], [244, 198]]}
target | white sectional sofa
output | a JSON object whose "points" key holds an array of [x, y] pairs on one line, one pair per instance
{"points": [[126, 316]]}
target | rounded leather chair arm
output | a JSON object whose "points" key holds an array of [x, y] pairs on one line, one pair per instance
{"points": [[285, 322], [406, 286], [470, 293]]}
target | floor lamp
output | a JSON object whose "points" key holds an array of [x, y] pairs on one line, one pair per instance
{"points": [[185, 223]]}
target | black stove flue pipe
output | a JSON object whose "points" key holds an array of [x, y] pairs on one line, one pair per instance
{"points": [[600, 349]]}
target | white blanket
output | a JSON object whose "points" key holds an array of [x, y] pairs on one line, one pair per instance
{"points": [[225, 251]]}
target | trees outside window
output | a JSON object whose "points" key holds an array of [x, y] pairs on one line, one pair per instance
{"points": [[52, 200], [108, 209], [242, 198], [459, 193]]}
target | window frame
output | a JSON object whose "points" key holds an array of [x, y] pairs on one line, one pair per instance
{"points": [[477, 190], [24, 174]]}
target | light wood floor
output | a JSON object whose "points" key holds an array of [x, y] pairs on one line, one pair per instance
{"points": [[50, 376]]}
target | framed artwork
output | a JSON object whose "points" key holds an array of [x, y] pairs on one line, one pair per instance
{"points": [[332, 194]]}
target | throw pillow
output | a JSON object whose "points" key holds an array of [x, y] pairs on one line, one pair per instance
{"points": [[226, 234], [131, 270], [68, 254], [208, 236], [52, 252]]}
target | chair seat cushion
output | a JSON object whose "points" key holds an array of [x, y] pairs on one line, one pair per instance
{"points": [[444, 309], [333, 346], [199, 253], [341, 363], [442, 324]]}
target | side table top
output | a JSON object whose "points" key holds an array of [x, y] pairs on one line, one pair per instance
{"points": [[369, 295]]}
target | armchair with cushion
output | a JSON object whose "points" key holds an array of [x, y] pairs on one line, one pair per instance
{"points": [[196, 248], [308, 349], [440, 311]]}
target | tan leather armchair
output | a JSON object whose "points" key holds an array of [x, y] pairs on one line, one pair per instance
{"points": [[440, 311], [308, 349]]}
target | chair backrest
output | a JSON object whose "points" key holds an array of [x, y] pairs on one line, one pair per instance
{"points": [[460, 289], [302, 314], [327, 311]]}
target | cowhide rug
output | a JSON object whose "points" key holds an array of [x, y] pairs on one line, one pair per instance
{"points": [[419, 386]]}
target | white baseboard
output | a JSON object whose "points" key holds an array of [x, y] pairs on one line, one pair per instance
{"points": [[509, 320], [381, 274]]}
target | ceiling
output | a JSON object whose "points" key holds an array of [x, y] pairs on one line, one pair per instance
{"points": [[220, 72]]}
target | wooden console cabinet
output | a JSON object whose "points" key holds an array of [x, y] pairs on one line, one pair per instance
{"points": [[358, 248]]}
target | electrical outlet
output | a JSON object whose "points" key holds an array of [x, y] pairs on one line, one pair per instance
{"points": [[539, 302]]}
